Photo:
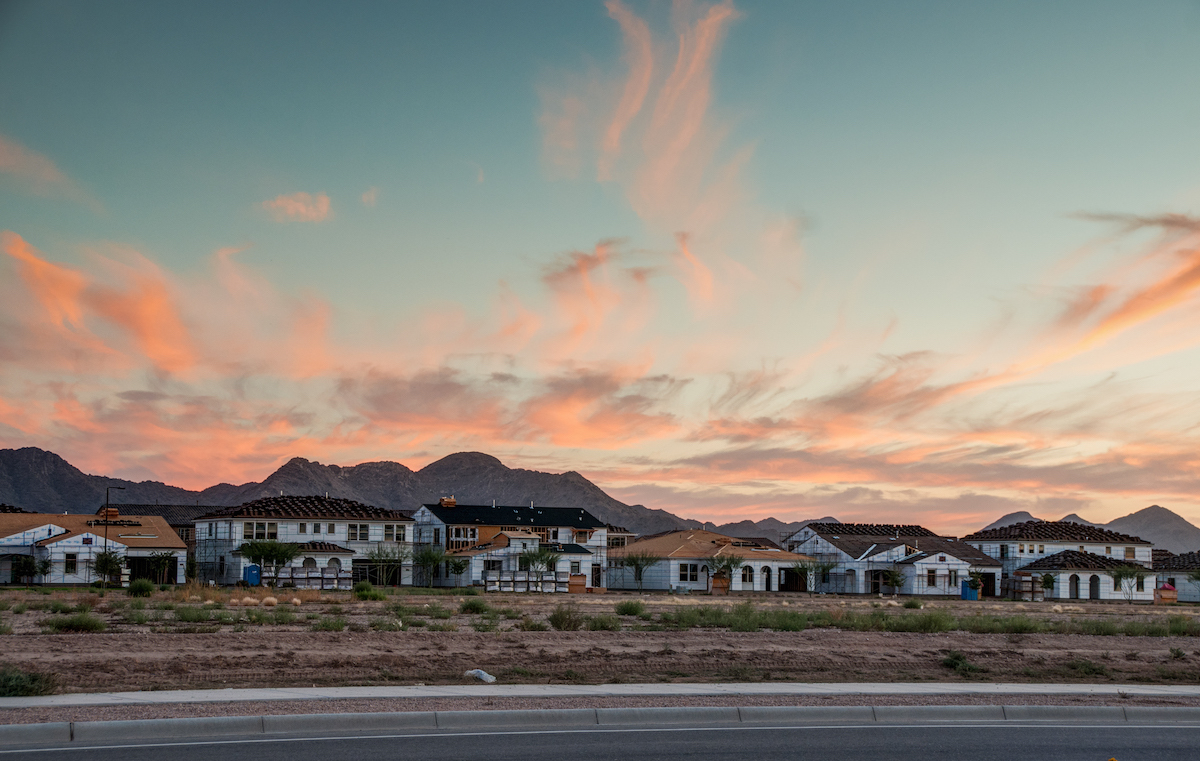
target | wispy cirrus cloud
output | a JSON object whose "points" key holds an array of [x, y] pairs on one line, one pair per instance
{"points": [[37, 174], [301, 207]]}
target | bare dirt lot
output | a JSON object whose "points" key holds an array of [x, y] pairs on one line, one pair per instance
{"points": [[185, 639]]}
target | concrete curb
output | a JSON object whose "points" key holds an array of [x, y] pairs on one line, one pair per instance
{"points": [[223, 727]]}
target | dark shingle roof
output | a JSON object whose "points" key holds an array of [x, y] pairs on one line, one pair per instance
{"points": [[1159, 555], [319, 547], [1074, 560], [1053, 531], [1188, 561], [11, 509], [325, 508], [486, 515], [566, 549], [927, 546], [175, 515], [868, 529]]}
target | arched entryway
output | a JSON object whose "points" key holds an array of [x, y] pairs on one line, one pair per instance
{"points": [[1074, 587], [747, 577], [334, 563], [1094, 587], [310, 562], [766, 574], [851, 581]]}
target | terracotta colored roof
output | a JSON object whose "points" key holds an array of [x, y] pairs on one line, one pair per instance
{"points": [[697, 543], [318, 548], [175, 515], [324, 508], [487, 515], [140, 531], [1188, 561], [1074, 560], [10, 509], [868, 529], [1053, 531]]}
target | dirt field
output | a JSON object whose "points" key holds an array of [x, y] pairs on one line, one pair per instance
{"points": [[163, 643]]}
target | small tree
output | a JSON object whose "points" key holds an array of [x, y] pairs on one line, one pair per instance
{"points": [[24, 567], [44, 566], [813, 571], [640, 561], [108, 563], [1194, 576], [894, 579], [725, 566], [428, 558], [1048, 581], [270, 554], [160, 563], [388, 562], [458, 566], [1127, 578]]}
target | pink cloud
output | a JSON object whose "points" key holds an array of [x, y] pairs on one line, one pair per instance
{"points": [[368, 198], [299, 207], [39, 175]]}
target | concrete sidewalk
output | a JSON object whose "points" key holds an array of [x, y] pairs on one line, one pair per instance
{"points": [[599, 690]]}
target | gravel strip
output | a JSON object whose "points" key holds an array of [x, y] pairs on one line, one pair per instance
{"points": [[185, 710]]}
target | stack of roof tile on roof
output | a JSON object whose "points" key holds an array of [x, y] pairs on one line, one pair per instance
{"points": [[324, 547], [176, 515], [10, 509], [309, 507], [1053, 531], [487, 515], [1188, 561], [1074, 560], [697, 543], [868, 529], [1159, 555]]}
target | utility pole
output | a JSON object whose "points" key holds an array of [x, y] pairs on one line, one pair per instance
{"points": [[107, 491]]}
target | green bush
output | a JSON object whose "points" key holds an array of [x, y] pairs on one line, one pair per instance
{"points": [[366, 591], [19, 608], [913, 604], [631, 608], [15, 683], [474, 605], [604, 622], [140, 588], [5, 629], [1098, 627], [528, 624], [566, 618], [58, 607], [327, 624], [959, 663], [284, 616], [79, 622], [136, 617], [928, 622], [191, 614], [1084, 667]]}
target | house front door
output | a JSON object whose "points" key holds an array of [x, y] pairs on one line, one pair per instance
{"points": [[596, 575]]}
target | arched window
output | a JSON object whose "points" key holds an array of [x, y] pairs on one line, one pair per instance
{"points": [[766, 574], [310, 562], [334, 563], [747, 574], [1074, 586], [1094, 587]]}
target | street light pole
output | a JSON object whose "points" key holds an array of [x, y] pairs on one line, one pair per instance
{"points": [[107, 491]]}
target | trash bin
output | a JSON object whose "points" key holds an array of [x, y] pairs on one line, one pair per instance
{"points": [[968, 593]]}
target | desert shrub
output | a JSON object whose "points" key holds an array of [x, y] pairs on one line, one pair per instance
{"points": [[913, 603], [1098, 627], [604, 622], [137, 605], [437, 611], [259, 617], [443, 628], [79, 622], [386, 625], [566, 618], [1178, 626], [474, 605], [19, 608], [140, 588], [366, 591], [15, 683], [783, 620], [928, 622], [959, 663], [527, 624], [417, 622], [58, 607], [327, 624], [190, 614], [1177, 654], [137, 617], [1084, 667], [5, 629], [484, 625], [283, 616], [631, 608], [5, 604], [270, 602]]}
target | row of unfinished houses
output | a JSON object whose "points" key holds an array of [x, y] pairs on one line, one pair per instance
{"points": [[341, 541]]}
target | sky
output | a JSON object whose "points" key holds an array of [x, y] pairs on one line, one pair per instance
{"points": [[928, 262]]}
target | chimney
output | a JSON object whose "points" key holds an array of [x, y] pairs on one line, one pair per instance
{"points": [[447, 502]]}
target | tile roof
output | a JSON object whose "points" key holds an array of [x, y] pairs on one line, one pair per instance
{"points": [[1159, 555], [138, 531], [318, 548], [176, 515], [868, 529], [325, 508], [1187, 561], [1053, 531], [487, 515], [697, 543], [1074, 560]]}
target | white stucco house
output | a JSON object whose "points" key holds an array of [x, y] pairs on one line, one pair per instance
{"points": [[1173, 569], [1088, 576], [686, 563]]}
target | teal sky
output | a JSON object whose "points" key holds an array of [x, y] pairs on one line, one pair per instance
{"points": [[926, 273]]}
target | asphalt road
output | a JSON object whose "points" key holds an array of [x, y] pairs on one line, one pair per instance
{"points": [[1006, 742]]}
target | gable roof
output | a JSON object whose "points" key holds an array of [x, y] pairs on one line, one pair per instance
{"points": [[1053, 531], [867, 529], [324, 508], [175, 515], [927, 546], [139, 531], [1074, 560], [487, 515], [697, 543]]}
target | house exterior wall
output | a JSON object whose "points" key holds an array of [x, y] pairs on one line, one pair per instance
{"points": [[1021, 553], [1189, 591], [665, 575], [1062, 586], [83, 547]]}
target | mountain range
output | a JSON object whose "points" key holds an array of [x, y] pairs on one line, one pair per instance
{"points": [[41, 481]]}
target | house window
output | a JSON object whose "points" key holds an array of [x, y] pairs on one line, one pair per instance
{"points": [[1141, 584], [71, 564], [221, 566], [825, 578], [575, 566], [1041, 549], [952, 579], [87, 540], [931, 578], [316, 528], [1108, 550], [1130, 554], [437, 536], [689, 572], [330, 529], [941, 558], [210, 530], [1020, 549], [747, 575], [1081, 548], [581, 537], [303, 528], [260, 531], [358, 532], [1004, 550], [389, 532], [493, 565]]}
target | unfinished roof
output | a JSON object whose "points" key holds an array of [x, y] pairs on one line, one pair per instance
{"points": [[867, 529], [697, 543], [323, 508], [1159, 555], [1187, 561], [1052, 531], [1074, 560], [137, 531], [323, 548], [930, 546], [487, 515], [9, 509], [176, 515]]}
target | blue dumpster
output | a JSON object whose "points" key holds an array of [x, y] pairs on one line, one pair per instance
{"points": [[252, 575], [968, 593]]}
